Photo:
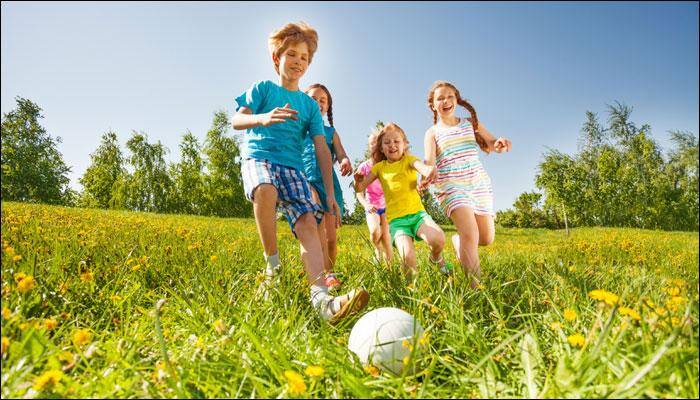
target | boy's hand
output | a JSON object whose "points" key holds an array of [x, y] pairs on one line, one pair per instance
{"points": [[278, 115], [501, 144], [345, 167], [430, 175], [335, 210]]}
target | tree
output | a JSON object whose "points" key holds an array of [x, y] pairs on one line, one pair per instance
{"points": [[147, 188], [187, 177], [102, 177], [223, 188], [32, 167]]}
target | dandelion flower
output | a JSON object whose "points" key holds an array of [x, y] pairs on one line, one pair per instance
{"points": [[406, 360], [17, 258], [569, 314], [136, 267], [86, 276], [219, 326], [213, 259], [372, 370], [314, 371], [5, 344], [296, 382], [47, 380], [26, 284], [630, 313], [82, 337], [10, 251], [603, 295], [50, 323], [19, 276], [6, 313], [576, 340]]}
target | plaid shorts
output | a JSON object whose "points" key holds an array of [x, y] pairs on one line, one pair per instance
{"points": [[293, 190]]}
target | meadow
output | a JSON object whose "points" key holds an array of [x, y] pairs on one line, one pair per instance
{"points": [[102, 303]]}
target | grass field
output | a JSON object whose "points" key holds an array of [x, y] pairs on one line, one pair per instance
{"points": [[600, 313]]}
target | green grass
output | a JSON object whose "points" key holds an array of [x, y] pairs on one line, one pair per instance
{"points": [[498, 341]]}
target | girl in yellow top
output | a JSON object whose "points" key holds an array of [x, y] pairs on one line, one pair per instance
{"points": [[396, 170]]}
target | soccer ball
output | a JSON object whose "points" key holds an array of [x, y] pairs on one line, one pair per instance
{"points": [[382, 338]]}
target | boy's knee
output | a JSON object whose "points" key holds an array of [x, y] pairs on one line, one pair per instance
{"points": [[306, 224], [265, 192]]}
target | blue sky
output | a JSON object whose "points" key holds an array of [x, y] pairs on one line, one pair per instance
{"points": [[531, 70]]}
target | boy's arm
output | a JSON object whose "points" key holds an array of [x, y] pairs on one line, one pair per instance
{"points": [[429, 147], [245, 119], [345, 165], [324, 163]]}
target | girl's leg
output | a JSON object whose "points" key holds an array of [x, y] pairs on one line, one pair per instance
{"points": [[435, 238], [375, 232], [404, 245], [467, 242], [264, 209], [321, 234], [487, 231], [386, 238], [331, 240]]}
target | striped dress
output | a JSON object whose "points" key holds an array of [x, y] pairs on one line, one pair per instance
{"points": [[461, 179]]}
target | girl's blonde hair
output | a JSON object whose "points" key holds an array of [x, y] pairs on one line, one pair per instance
{"points": [[330, 100], [292, 34], [475, 121], [377, 154]]}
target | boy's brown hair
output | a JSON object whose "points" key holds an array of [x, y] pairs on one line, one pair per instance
{"points": [[291, 34], [377, 154]]}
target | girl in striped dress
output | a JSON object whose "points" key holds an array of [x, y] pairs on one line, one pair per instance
{"points": [[462, 186]]}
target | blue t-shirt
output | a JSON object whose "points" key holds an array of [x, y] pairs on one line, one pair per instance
{"points": [[311, 169], [281, 143]]}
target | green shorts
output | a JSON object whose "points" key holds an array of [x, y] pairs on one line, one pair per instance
{"points": [[408, 225]]}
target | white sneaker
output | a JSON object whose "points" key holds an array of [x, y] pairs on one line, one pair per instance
{"points": [[334, 309]]}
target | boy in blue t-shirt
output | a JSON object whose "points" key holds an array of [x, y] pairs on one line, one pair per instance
{"points": [[277, 118]]}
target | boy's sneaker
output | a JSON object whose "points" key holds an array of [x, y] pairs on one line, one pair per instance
{"points": [[332, 282], [336, 308]]}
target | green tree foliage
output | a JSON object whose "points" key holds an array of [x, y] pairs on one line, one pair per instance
{"points": [[223, 187], [149, 185], [32, 167], [104, 175], [529, 212], [188, 178], [619, 177]]}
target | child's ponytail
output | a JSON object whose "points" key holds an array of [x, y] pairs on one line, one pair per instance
{"points": [[475, 123]]}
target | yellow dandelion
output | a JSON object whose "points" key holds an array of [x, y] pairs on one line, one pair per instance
{"points": [[219, 326], [26, 284], [434, 309], [576, 340], [10, 251], [115, 298], [136, 267], [569, 314], [82, 337], [406, 360], [424, 340], [630, 313], [86, 276], [314, 371], [47, 380], [65, 357], [5, 344], [50, 323], [17, 258], [6, 313], [295, 382], [603, 295], [372, 370], [213, 259], [673, 291], [19, 276]]}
